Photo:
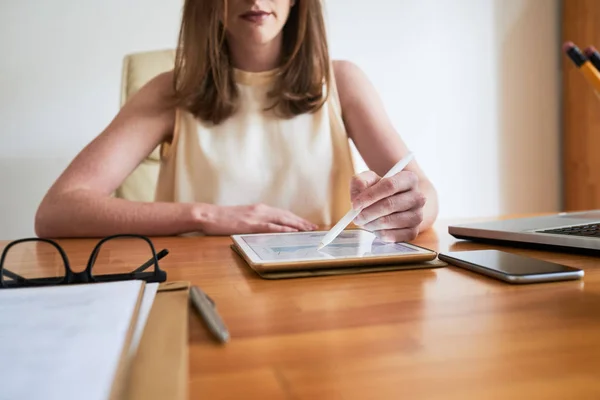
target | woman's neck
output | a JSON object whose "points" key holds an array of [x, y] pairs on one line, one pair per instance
{"points": [[257, 58]]}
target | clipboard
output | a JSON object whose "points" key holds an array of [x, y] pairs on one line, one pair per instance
{"points": [[137, 340], [159, 368], [119, 383]]}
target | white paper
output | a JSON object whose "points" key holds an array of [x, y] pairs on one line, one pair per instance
{"points": [[63, 342], [146, 306]]}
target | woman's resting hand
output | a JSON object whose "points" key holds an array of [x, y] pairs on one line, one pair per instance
{"points": [[256, 218]]}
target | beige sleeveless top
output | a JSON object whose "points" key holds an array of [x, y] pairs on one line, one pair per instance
{"points": [[303, 164]]}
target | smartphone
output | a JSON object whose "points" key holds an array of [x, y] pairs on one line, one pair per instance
{"points": [[511, 268]]}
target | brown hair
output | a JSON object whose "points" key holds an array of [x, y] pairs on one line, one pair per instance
{"points": [[203, 78]]}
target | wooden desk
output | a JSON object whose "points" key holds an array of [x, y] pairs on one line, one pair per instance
{"points": [[430, 334]]}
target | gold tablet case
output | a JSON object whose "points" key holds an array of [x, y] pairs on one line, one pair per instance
{"points": [[304, 271]]}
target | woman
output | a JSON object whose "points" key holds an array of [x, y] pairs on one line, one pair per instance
{"points": [[254, 122]]}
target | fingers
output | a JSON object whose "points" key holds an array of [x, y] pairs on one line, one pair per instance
{"points": [[361, 182], [393, 210], [291, 220], [269, 227], [397, 235], [385, 187], [399, 220], [282, 217]]}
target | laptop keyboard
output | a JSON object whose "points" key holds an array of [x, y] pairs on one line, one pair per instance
{"points": [[590, 230]]}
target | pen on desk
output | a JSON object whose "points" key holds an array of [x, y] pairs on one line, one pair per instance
{"points": [[206, 307], [349, 217], [584, 65]]}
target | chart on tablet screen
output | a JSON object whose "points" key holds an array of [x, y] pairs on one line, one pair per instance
{"points": [[352, 243]]}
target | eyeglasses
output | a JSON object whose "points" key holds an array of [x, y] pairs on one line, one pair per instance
{"points": [[25, 262]]}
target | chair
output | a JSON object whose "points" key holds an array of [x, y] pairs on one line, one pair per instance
{"points": [[138, 69]]}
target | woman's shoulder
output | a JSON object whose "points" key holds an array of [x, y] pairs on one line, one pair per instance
{"points": [[157, 94], [153, 104], [344, 67], [160, 89], [350, 82]]}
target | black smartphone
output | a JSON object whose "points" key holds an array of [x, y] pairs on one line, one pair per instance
{"points": [[510, 267]]}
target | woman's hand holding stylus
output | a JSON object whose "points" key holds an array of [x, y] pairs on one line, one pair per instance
{"points": [[392, 207]]}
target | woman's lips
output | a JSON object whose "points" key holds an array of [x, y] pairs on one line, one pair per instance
{"points": [[255, 16]]}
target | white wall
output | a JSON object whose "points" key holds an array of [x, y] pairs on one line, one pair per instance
{"points": [[472, 86]]}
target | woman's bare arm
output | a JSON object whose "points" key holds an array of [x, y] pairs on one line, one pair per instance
{"points": [[79, 203], [381, 147]]}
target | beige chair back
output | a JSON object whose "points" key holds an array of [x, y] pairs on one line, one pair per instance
{"points": [[138, 69]]}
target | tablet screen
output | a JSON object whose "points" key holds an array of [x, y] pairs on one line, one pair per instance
{"points": [[303, 246]]}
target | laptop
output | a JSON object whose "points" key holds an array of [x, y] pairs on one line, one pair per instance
{"points": [[563, 231]]}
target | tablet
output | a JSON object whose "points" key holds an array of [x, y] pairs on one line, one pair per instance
{"points": [[299, 250]]}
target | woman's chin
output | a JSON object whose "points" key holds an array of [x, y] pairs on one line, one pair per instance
{"points": [[257, 36]]}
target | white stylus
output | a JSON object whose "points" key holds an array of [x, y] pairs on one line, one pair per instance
{"points": [[349, 217]]}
